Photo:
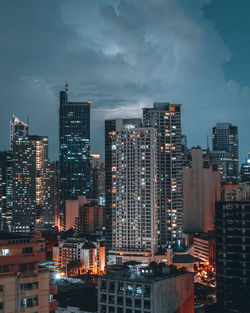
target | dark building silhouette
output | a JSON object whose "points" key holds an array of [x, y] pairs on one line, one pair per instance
{"points": [[6, 189], [50, 212], [74, 156], [233, 255], [226, 151], [97, 179], [245, 171]]}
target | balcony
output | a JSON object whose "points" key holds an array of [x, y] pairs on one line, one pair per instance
{"points": [[7, 274], [52, 305], [22, 258]]}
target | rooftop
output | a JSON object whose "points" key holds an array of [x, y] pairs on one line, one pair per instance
{"points": [[141, 273], [6, 235], [184, 258]]}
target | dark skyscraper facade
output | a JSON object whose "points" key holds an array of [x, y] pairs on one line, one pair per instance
{"points": [[166, 118], [6, 189], [233, 256], [226, 151], [74, 136]]}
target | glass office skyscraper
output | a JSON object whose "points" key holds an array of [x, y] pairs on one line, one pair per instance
{"points": [[74, 136]]}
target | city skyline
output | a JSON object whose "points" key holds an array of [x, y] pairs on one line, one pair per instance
{"points": [[80, 42]]}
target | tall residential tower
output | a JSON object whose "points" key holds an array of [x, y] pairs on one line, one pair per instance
{"points": [[134, 193], [166, 119], [111, 127], [30, 159]]}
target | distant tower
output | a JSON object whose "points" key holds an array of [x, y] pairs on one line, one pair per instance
{"points": [[226, 151], [17, 129], [74, 150], [245, 171]]}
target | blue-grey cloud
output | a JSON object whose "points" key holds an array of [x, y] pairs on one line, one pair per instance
{"points": [[123, 55]]}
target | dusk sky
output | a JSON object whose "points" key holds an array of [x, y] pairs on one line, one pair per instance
{"points": [[123, 56]]}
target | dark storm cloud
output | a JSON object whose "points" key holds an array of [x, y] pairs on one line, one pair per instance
{"points": [[121, 54]]}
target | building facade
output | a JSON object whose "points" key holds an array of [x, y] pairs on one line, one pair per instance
{"points": [[226, 151], [201, 189], [134, 289], [24, 287], [90, 218], [97, 179], [233, 256], [245, 171], [74, 154], [18, 129], [29, 164], [6, 189], [111, 127], [134, 191], [166, 119], [204, 247], [51, 214], [81, 256]]}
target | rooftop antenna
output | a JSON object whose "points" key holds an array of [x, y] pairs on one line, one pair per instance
{"points": [[66, 86]]}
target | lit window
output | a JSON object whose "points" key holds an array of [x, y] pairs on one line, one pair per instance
{"points": [[5, 252]]}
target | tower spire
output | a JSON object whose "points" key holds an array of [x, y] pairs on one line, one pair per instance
{"points": [[66, 87]]}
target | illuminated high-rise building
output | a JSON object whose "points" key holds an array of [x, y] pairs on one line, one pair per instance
{"points": [[30, 158], [111, 127], [134, 193], [166, 119], [226, 151], [74, 156]]}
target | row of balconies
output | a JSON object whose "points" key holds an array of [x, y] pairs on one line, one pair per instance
{"points": [[27, 258]]}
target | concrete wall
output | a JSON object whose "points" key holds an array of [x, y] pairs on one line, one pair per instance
{"points": [[201, 188], [174, 295]]}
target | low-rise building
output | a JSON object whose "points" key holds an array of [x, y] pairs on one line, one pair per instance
{"points": [[204, 247], [24, 286], [80, 255], [133, 288]]}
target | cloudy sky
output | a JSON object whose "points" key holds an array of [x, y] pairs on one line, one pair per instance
{"points": [[123, 55]]}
